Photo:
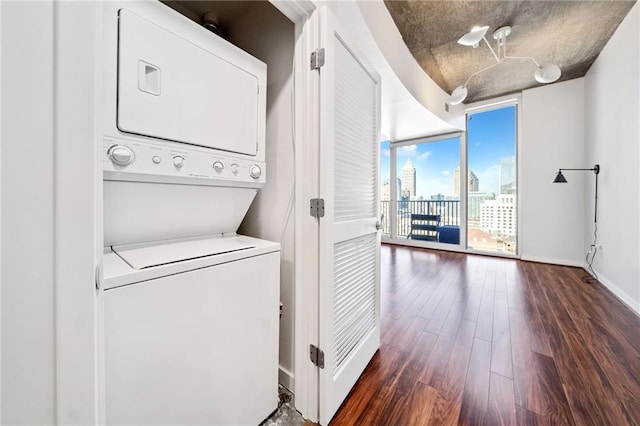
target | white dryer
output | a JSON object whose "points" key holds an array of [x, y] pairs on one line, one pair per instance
{"points": [[190, 308]]}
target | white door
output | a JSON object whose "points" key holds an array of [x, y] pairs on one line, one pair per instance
{"points": [[349, 242]]}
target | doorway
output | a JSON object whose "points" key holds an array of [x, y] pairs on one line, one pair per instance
{"points": [[492, 190], [423, 206], [456, 191]]}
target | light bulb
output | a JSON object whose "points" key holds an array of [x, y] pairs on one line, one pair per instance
{"points": [[458, 95], [473, 37], [547, 73]]}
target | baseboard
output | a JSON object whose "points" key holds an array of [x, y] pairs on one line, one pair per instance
{"points": [[553, 261], [285, 378], [632, 304]]}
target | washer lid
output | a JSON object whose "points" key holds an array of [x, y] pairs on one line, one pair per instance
{"points": [[147, 256]]}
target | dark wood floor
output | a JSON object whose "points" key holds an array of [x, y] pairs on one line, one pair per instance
{"points": [[479, 340]]}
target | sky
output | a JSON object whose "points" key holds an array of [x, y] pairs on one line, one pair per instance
{"points": [[491, 136]]}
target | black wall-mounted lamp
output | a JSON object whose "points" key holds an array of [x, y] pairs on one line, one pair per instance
{"points": [[596, 169], [593, 248]]}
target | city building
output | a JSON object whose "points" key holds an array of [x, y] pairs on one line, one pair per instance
{"points": [[474, 202], [481, 240], [385, 191], [509, 188], [472, 185], [408, 176], [507, 181], [499, 216]]}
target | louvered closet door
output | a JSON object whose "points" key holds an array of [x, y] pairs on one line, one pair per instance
{"points": [[349, 241]]}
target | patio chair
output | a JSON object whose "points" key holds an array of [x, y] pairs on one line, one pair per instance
{"points": [[424, 227]]}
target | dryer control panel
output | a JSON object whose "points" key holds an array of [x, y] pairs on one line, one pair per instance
{"points": [[132, 159]]}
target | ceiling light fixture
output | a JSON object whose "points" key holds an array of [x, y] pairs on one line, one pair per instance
{"points": [[473, 37], [547, 73]]}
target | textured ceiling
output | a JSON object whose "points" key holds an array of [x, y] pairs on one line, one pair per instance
{"points": [[570, 34]]}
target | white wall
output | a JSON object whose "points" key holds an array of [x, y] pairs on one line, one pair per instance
{"points": [[48, 212], [28, 314], [552, 216], [267, 34], [0, 217], [78, 244], [612, 112], [399, 58], [403, 116]]}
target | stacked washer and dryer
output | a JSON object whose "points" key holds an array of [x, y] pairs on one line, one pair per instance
{"points": [[190, 308]]}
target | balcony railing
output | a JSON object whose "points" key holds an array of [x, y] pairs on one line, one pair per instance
{"points": [[449, 212]]}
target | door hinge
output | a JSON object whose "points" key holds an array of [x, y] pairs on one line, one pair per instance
{"points": [[317, 59], [316, 207], [316, 356]]}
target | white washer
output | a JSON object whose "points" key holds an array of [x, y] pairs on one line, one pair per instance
{"points": [[189, 329]]}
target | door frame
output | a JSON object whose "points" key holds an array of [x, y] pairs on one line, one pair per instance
{"points": [[303, 13], [393, 202], [489, 105], [76, 332], [307, 186], [480, 106]]}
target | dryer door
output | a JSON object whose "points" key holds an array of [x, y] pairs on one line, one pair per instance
{"points": [[170, 88]]}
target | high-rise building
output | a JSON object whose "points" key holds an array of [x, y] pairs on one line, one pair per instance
{"points": [[385, 194], [475, 200], [456, 181], [408, 175], [472, 185], [507, 175], [499, 216], [474, 182]]}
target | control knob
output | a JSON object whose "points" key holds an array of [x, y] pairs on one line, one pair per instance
{"points": [[234, 168], [255, 171], [178, 161], [120, 155], [218, 166]]}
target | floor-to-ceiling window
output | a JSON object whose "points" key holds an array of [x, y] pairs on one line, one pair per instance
{"points": [[420, 193], [385, 187], [454, 190], [492, 185]]}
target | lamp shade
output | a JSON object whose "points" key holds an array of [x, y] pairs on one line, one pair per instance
{"points": [[559, 178], [458, 95], [473, 37], [547, 73]]}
